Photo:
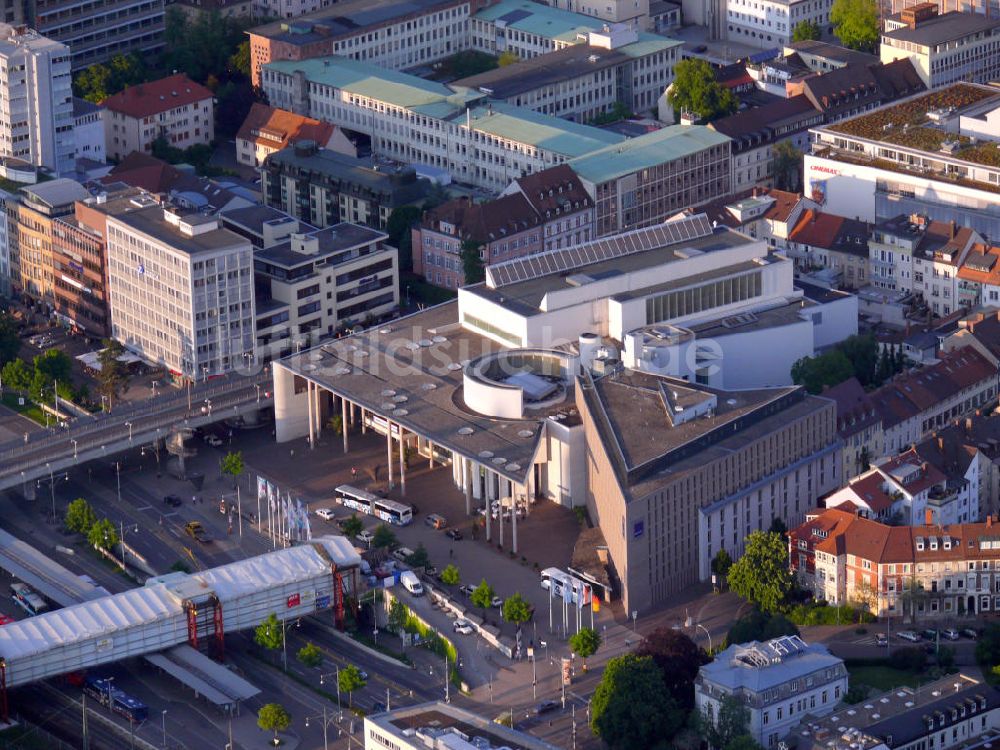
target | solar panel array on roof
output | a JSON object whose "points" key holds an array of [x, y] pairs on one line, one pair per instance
{"points": [[636, 241]]}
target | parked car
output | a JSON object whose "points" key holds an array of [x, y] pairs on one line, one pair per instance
{"points": [[435, 521], [197, 532], [881, 640], [366, 536], [214, 440], [545, 706], [463, 626], [467, 589], [950, 633], [327, 514], [172, 500], [454, 534], [970, 633], [402, 553], [908, 635], [496, 602], [930, 634]]}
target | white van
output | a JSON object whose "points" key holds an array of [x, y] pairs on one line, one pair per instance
{"points": [[411, 583]]}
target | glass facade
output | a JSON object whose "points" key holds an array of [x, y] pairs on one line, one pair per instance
{"points": [[696, 299]]}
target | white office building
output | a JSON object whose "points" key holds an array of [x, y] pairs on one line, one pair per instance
{"points": [[779, 682], [36, 100], [769, 23], [181, 290]]}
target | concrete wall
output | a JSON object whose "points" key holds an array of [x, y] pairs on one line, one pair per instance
{"points": [[291, 410]]}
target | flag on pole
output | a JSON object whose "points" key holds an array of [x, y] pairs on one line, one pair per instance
{"points": [[595, 603], [584, 591], [261, 488]]}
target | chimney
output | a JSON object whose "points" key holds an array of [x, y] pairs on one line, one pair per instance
{"points": [[940, 443], [928, 517], [951, 229]]}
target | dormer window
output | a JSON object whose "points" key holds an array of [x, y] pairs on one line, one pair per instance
{"points": [[920, 544]]}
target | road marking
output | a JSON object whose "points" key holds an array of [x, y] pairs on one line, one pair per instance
{"points": [[171, 515], [145, 507]]}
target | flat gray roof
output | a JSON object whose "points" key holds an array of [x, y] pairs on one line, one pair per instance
{"points": [[411, 371], [150, 221], [944, 28], [332, 240]]}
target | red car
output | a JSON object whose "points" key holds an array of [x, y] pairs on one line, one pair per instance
{"points": [[5, 620]]}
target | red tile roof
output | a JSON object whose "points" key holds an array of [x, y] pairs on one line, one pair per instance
{"points": [[147, 99], [831, 232], [278, 128]]}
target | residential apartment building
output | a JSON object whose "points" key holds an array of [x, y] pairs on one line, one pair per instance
{"points": [[500, 230], [319, 281], [646, 179], [32, 218], [562, 204], [756, 131], [978, 278], [394, 34], [945, 48], [769, 23], [528, 29], [913, 157], [836, 244], [88, 130], [181, 290], [415, 121], [914, 403], [859, 426], [635, 12], [267, 130], [9, 268], [778, 681], [585, 80], [36, 100], [323, 187], [842, 558], [174, 108], [96, 32]]}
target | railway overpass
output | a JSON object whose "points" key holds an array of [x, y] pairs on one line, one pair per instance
{"points": [[129, 425]]}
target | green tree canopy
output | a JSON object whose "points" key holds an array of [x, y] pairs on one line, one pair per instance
{"points": [[988, 646], [678, 658], [695, 90], [419, 558], [761, 575], [732, 721], [787, 165], [759, 626], [829, 368], [631, 707], [516, 609], [349, 680], [805, 30], [97, 82], [310, 655], [273, 717], [743, 742], [80, 516], [103, 534], [398, 615], [16, 374], [482, 595], [54, 364], [450, 575], [855, 22], [232, 464], [384, 537], [10, 342], [721, 563], [113, 377], [585, 642], [269, 634], [473, 268], [507, 58], [352, 526], [398, 227]]}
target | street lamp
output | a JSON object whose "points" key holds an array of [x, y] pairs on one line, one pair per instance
{"points": [[129, 425], [118, 478], [207, 408], [327, 721], [257, 386], [635, 616], [52, 489], [335, 674], [163, 719], [121, 539], [73, 441], [204, 373], [690, 623]]}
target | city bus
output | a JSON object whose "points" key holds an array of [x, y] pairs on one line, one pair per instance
{"points": [[390, 511], [102, 690], [26, 598], [555, 581]]}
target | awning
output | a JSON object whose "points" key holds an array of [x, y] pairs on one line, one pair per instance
{"points": [[207, 678]]}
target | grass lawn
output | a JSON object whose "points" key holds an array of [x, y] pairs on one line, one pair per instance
{"points": [[882, 678], [29, 410]]}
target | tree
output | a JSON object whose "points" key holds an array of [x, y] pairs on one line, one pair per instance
{"points": [[352, 526], [80, 516], [585, 642], [507, 58], [310, 655], [732, 721], [450, 576], [53, 365], [631, 708], [239, 61], [398, 615], [759, 626], [348, 680], [102, 534], [778, 526], [473, 268], [17, 375], [761, 576], [270, 633], [482, 596], [398, 227], [384, 537], [743, 742], [787, 165], [695, 90], [678, 658], [10, 342], [516, 609], [273, 717], [829, 368], [232, 464], [419, 558], [113, 377], [855, 22], [336, 424], [866, 597], [721, 563], [988, 646], [805, 30]]}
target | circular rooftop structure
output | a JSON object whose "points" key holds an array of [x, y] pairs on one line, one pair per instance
{"points": [[518, 383]]}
